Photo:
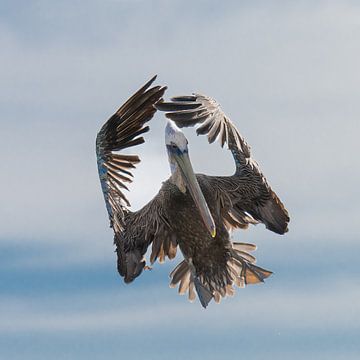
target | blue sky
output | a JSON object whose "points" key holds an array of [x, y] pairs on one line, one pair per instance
{"points": [[287, 74]]}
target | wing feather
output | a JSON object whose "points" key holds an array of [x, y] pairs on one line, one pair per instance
{"points": [[133, 231], [122, 131]]}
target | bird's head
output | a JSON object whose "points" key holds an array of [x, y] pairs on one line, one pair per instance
{"points": [[182, 173], [176, 144]]}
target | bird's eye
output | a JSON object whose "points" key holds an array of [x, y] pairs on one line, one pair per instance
{"points": [[174, 146]]}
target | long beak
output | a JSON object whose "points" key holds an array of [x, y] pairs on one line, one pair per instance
{"points": [[185, 165]]}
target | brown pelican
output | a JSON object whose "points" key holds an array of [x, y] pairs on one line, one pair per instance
{"points": [[193, 211]]}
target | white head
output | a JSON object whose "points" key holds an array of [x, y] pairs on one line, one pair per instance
{"points": [[176, 144], [175, 137]]}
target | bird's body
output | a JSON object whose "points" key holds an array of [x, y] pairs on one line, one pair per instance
{"points": [[195, 212], [195, 242]]}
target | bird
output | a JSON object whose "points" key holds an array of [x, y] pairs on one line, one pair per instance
{"points": [[196, 213]]}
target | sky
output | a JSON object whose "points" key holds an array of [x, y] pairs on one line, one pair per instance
{"points": [[286, 73]]}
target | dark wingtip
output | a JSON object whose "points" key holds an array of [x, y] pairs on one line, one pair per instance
{"points": [[153, 79], [177, 106], [148, 84], [184, 98], [278, 228]]}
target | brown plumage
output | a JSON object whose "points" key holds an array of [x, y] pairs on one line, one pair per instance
{"points": [[182, 213]]}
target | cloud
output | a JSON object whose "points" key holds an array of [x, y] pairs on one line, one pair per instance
{"points": [[287, 75], [304, 308]]}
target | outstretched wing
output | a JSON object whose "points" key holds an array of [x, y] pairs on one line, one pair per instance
{"points": [[246, 197], [134, 231], [122, 131]]}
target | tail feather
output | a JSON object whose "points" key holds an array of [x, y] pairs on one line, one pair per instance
{"points": [[250, 273], [229, 290], [184, 283], [245, 255], [190, 282], [255, 274], [192, 295], [217, 297], [240, 271], [240, 246], [178, 273]]}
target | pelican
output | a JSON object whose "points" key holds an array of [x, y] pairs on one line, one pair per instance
{"points": [[194, 212]]}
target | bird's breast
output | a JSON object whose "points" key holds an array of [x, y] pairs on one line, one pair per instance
{"points": [[192, 236]]}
